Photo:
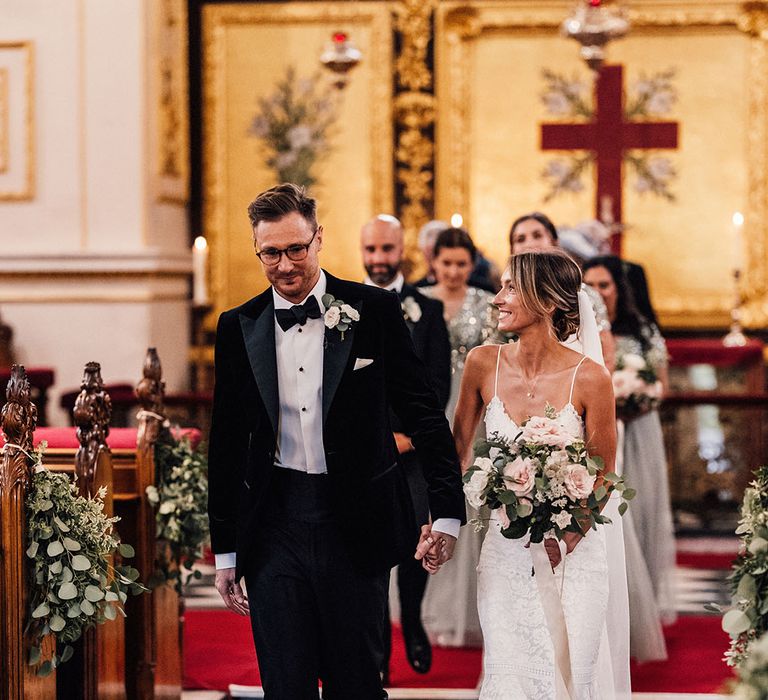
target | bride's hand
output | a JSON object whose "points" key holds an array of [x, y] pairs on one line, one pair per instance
{"points": [[571, 539]]}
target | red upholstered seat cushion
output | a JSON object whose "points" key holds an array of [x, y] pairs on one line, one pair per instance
{"points": [[118, 438], [711, 351]]}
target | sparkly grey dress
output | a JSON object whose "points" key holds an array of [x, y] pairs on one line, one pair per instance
{"points": [[645, 469], [449, 610]]}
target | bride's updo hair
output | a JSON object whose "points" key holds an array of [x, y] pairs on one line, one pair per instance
{"points": [[548, 284]]}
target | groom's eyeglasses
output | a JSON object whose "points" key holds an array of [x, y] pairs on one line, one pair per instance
{"points": [[296, 252]]}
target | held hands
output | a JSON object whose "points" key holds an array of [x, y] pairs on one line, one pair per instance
{"points": [[434, 548], [231, 592]]}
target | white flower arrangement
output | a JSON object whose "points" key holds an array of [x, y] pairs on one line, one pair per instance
{"points": [[180, 497], [746, 620], [543, 483], [293, 124], [635, 385], [338, 314], [411, 309], [74, 584], [650, 96]]}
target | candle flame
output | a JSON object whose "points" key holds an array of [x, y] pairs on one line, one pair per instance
{"points": [[457, 220], [201, 243]]}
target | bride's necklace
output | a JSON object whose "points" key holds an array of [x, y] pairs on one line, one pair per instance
{"points": [[530, 386]]}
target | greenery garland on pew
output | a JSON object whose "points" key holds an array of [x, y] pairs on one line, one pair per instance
{"points": [[747, 618], [181, 499], [71, 543]]}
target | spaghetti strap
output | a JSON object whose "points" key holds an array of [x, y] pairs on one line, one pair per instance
{"points": [[573, 381], [496, 383]]}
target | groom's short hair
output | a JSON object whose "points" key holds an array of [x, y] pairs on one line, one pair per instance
{"points": [[278, 201]]}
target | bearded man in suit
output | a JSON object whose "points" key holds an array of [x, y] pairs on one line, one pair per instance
{"points": [[307, 499], [382, 248]]}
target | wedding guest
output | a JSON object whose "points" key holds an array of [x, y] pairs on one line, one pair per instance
{"points": [[535, 231], [382, 247], [450, 605], [645, 464]]}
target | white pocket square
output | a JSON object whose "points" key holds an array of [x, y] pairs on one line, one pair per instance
{"points": [[361, 362]]}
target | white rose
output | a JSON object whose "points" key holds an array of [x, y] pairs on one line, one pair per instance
{"points": [[578, 481], [350, 311], [332, 317], [473, 489], [622, 383], [633, 361], [561, 519], [520, 476], [484, 463]]}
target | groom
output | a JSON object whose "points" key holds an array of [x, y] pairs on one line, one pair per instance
{"points": [[307, 500]]}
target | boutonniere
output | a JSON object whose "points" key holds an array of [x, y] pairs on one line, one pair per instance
{"points": [[411, 310], [338, 314]]}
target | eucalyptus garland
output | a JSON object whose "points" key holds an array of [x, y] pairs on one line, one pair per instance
{"points": [[747, 618], [181, 499], [71, 545]]}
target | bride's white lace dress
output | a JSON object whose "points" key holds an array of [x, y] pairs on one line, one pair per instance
{"points": [[519, 657]]}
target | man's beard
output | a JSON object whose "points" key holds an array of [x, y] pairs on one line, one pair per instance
{"points": [[382, 275]]}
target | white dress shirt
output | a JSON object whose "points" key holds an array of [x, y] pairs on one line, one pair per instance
{"points": [[299, 352]]}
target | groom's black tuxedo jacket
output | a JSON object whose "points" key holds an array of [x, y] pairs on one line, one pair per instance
{"points": [[368, 489]]}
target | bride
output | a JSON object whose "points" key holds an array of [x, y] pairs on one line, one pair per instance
{"points": [[539, 302]]}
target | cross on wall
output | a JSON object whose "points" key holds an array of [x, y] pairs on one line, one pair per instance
{"points": [[608, 136]]}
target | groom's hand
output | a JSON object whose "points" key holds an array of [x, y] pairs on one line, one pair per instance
{"points": [[231, 592], [434, 548]]}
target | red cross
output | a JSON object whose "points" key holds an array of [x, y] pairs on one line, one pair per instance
{"points": [[608, 136]]}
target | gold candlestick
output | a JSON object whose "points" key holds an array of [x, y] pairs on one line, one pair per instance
{"points": [[735, 337]]}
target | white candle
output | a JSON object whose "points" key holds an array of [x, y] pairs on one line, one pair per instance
{"points": [[200, 272], [737, 221]]}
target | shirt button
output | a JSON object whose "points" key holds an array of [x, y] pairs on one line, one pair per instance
{"points": [[301, 369], [303, 408], [300, 330]]}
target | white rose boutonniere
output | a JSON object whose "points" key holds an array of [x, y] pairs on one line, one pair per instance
{"points": [[339, 314], [411, 310]]}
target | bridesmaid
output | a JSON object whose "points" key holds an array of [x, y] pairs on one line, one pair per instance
{"points": [[450, 605], [645, 464]]}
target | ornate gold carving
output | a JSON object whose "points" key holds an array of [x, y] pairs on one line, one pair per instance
{"points": [[172, 136], [26, 103], [414, 113], [92, 412]]}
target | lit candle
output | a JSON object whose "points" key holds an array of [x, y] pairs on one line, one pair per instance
{"points": [[457, 220], [200, 272], [737, 221]]}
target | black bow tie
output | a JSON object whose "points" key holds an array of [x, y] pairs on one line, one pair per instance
{"points": [[299, 313]]}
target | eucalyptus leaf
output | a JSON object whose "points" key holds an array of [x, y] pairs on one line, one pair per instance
{"points": [[41, 610], [735, 622], [62, 525], [71, 545], [87, 607], [80, 563], [126, 551], [109, 612], [32, 549], [93, 593], [45, 669], [67, 654], [34, 656], [623, 508], [73, 610], [54, 548], [68, 591], [57, 623], [629, 494], [56, 567]]}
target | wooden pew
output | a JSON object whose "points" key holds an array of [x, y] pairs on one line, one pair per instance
{"points": [[19, 418], [152, 628]]}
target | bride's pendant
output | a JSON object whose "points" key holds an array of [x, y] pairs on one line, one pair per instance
{"points": [[530, 394]]}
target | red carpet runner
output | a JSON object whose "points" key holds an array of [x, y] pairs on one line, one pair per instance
{"points": [[218, 650]]}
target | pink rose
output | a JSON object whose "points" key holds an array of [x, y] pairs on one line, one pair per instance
{"points": [[545, 431], [520, 476], [578, 481]]}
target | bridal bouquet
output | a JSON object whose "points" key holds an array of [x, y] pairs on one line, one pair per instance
{"points": [[542, 482], [636, 386]]}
